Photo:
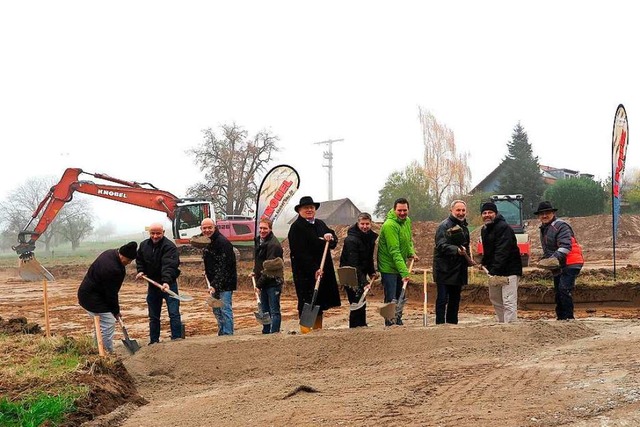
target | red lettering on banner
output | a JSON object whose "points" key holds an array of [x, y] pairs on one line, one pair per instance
{"points": [[277, 197]]}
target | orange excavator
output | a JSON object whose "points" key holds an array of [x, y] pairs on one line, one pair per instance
{"points": [[185, 213]]}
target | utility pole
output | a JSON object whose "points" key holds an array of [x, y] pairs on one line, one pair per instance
{"points": [[329, 156]]}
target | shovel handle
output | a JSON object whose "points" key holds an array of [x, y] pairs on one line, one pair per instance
{"points": [[153, 282], [324, 257], [255, 289], [124, 329], [406, 282]]}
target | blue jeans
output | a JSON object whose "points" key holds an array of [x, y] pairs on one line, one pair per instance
{"points": [[392, 285], [224, 314], [270, 301], [154, 302], [563, 284], [447, 303]]}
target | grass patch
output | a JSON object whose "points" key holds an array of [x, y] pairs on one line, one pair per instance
{"points": [[36, 410], [40, 373]]}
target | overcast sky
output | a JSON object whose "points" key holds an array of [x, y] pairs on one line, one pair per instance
{"points": [[125, 88]]}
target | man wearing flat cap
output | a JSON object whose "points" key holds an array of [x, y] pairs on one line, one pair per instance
{"points": [[98, 292], [501, 260], [308, 236], [561, 254]]}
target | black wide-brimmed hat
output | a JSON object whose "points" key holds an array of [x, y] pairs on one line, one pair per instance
{"points": [[306, 200], [545, 207]]}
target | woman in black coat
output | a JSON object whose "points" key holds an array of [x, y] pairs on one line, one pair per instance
{"points": [[307, 237]]}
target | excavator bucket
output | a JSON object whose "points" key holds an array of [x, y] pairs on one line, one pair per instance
{"points": [[32, 271]]}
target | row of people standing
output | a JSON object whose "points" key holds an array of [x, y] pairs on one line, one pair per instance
{"points": [[157, 259]]}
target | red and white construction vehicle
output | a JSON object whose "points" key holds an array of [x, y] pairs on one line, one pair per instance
{"points": [[510, 207], [185, 213]]}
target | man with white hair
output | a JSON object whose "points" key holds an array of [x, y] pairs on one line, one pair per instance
{"points": [[158, 259]]}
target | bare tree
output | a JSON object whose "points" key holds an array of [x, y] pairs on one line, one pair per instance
{"points": [[446, 170], [22, 203], [75, 222], [17, 209], [230, 163]]}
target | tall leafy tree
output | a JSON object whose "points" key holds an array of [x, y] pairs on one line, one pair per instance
{"points": [[412, 184], [521, 172], [577, 197], [231, 162]]}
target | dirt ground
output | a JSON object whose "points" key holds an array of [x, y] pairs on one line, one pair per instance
{"points": [[538, 372]]}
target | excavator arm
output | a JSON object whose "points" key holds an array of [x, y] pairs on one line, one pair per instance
{"points": [[133, 193]]}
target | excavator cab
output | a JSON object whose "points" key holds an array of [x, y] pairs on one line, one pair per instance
{"points": [[188, 216]]}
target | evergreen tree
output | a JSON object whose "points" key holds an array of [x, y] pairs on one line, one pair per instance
{"points": [[521, 172]]}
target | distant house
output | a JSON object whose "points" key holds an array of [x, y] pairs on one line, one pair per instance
{"points": [[336, 212], [550, 175]]}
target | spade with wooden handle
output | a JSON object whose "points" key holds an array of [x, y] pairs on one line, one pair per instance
{"points": [[310, 310], [390, 310], [181, 297]]}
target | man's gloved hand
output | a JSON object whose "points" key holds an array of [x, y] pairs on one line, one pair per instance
{"points": [[549, 263]]}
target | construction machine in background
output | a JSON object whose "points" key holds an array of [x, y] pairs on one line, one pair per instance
{"points": [[185, 213], [510, 207]]}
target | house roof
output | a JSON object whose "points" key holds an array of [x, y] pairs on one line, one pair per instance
{"points": [[329, 208]]}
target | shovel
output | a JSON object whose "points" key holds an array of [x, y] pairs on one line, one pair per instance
{"points": [[391, 310], [361, 302], [310, 311], [264, 318], [182, 297], [211, 301], [131, 345]]}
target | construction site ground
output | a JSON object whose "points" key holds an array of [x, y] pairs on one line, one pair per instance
{"points": [[536, 372]]}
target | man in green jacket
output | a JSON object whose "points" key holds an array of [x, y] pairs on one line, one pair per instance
{"points": [[394, 248]]}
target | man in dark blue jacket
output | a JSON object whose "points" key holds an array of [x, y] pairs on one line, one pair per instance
{"points": [[268, 251], [501, 259], [158, 259], [98, 292], [562, 254]]}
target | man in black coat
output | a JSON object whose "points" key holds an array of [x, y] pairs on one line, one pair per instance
{"points": [[98, 292], [222, 274], [307, 238], [358, 252], [450, 262], [268, 248], [158, 259], [501, 259]]}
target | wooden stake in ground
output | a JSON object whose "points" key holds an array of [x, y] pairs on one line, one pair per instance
{"points": [[96, 325], [424, 305], [47, 327]]}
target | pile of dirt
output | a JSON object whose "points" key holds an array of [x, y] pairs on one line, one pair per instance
{"points": [[18, 325]]}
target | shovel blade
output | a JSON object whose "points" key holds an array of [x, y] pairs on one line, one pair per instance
{"points": [[262, 318], [357, 305], [388, 310], [181, 297], [214, 302], [131, 345], [309, 315]]}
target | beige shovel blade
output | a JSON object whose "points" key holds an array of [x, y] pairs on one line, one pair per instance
{"points": [[214, 302], [348, 276], [32, 271], [388, 311]]}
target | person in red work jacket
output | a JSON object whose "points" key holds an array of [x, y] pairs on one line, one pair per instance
{"points": [[559, 242]]}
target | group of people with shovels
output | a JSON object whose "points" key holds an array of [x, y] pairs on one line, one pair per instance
{"points": [[314, 277]]}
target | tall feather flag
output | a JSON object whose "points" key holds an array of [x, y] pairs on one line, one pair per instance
{"points": [[277, 188], [618, 155]]}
